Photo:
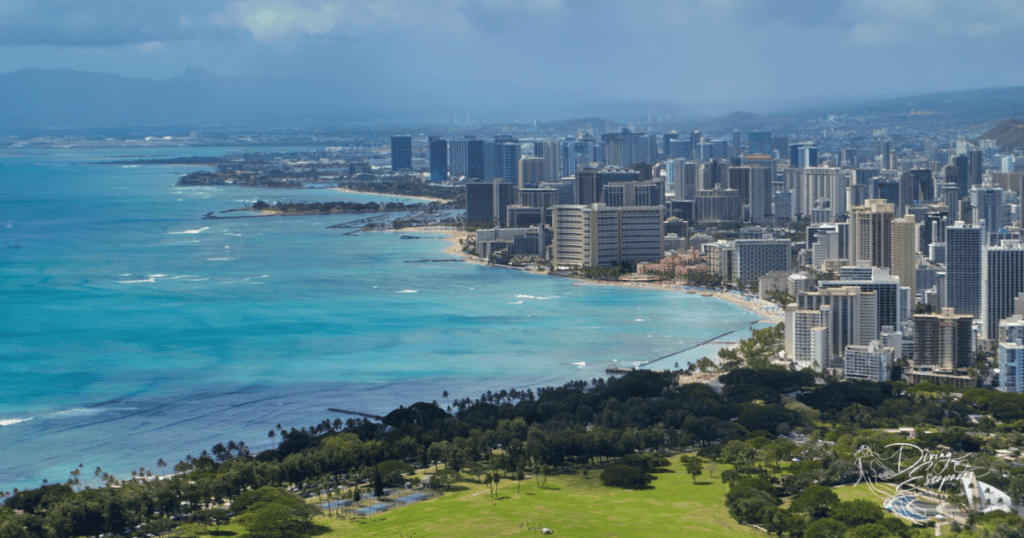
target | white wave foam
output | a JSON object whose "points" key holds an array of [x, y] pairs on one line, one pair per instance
{"points": [[199, 231], [76, 412], [146, 281], [13, 421], [581, 364], [221, 259], [516, 302], [409, 291], [157, 276], [638, 319]]}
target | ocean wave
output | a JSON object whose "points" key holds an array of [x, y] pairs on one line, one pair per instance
{"points": [[200, 230], [581, 364], [516, 302], [220, 259], [521, 296], [638, 319], [75, 412], [149, 280], [409, 291], [13, 421]]}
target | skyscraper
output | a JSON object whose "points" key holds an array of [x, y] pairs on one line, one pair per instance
{"points": [[904, 252], [507, 161], [760, 142], [1002, 273], [401, 152], [871, 233], [963, 269], [988, 207], [694, 143], [438, 160], [466, 158]]}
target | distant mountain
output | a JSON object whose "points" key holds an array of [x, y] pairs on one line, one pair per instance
{"points": [[66, 99], [744, 121], [1009, 133]]}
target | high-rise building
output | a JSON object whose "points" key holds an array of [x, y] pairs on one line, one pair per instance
{"points": [[714, 173], [904, 252], [487, 202], [466, 158], [401, 152], [550, 151], [718, 205], [756, 257], [871, 233], [976, 169], [942, 341], [590, 182], [808, 337], [1011, 354], [988, 209], [601, 236], [507, 161], [1002, 273], [666, 145], [531, 171], [872, 362], [962, 164], [438, 160], [780, 146], [892, 309], [480, 204], [853, 312], [695, 139], [760, 142], [633, 193], [963, 269]]}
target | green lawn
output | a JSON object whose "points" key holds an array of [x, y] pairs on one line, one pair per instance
{"points": [[571, 505]]}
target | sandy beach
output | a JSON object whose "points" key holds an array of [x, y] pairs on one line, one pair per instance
{"points": [[769, 312]]}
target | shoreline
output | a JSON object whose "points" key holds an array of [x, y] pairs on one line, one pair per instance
{"points": [[769, 312], [427, 199]]}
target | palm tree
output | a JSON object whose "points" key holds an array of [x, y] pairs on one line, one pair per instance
{"points": [[161, 463]]}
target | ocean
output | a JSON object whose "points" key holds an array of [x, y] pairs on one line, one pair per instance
{"points": [[132, 330]]}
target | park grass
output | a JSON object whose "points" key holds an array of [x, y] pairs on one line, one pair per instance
{"points": [[571, 504]]}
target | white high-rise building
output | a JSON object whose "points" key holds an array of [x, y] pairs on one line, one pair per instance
{"points": [[808, 337], [872, 362]]}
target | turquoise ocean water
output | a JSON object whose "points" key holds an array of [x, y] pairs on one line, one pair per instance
{"points": [[133, 330]]}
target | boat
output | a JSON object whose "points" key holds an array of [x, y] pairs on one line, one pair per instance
{"points": [[407, 236]]}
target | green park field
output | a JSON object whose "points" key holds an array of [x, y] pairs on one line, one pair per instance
{"points": [[570, 504]]}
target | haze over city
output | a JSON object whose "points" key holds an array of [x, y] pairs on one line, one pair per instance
{"points": [[482, 57]]}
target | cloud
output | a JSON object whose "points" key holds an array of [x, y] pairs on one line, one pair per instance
{"points": [[883, 22], [106, 23], [269, 20]]}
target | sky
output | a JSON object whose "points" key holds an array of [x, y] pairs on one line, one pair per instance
{"points": [[671, 51]]}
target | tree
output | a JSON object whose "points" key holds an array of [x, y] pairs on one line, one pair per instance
{"points": [[625, 476], [826, 528], [378, 483], [857, 512], [446, 477], [694, 466], [213, 516], [816, 501]]}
